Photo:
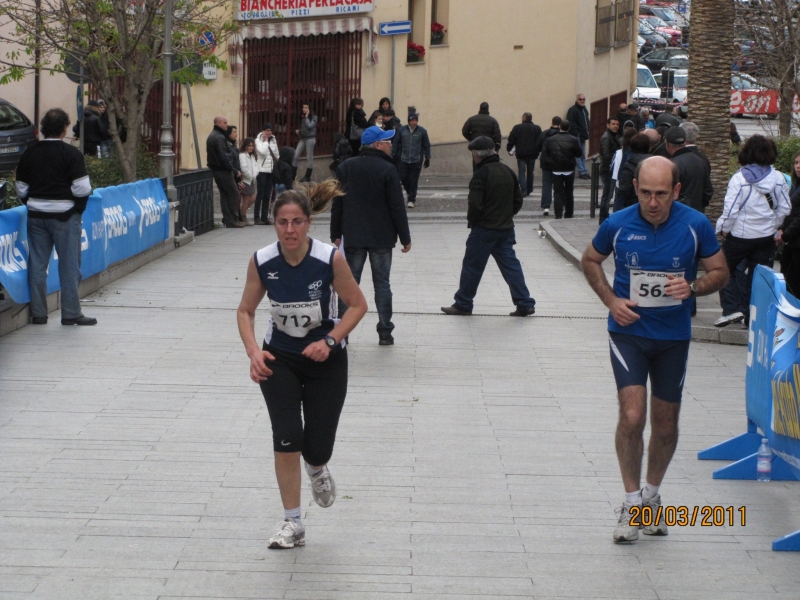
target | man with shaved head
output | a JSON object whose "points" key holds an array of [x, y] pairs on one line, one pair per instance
{"points": [[657, 246], [224, 172]]}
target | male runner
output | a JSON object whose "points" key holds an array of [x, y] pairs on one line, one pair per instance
{"points": [[657, 245]]}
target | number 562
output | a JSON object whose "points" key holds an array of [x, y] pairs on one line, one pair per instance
{"points": [[651, 289]]}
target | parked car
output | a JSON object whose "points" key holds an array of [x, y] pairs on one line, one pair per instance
{"points": [[655, 24], [656, 60], [652, 39], [646, 86], [666, 13], [16, 134], [677, 61]]}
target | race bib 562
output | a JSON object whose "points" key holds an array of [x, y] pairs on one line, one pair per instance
{"points": [[648, 288]]}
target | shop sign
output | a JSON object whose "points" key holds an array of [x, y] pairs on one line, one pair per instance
{"points": [[251, 10]]}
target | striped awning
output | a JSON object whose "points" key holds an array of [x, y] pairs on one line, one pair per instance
{"points": [[297, 29]]}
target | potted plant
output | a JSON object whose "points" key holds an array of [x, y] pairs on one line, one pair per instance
{"points": [[414, 52], [437, 34]]}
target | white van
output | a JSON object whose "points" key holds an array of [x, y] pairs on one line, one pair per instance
{"points": [[646, 86]]}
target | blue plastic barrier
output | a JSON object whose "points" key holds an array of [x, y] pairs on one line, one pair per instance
{"points": [[772, 390], [119, 222]]}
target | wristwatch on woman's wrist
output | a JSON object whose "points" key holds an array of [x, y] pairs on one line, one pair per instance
{"points": [[330, 342]]}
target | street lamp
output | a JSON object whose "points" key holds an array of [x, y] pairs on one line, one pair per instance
{"points": [[166, 157]]}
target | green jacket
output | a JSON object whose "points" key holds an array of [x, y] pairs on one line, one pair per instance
{"points": [[494, 196]]}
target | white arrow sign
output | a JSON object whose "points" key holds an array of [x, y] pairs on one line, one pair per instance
{"points": [[395, 28]]}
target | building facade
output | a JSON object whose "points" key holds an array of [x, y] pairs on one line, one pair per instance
{"points": [[517, 55]]}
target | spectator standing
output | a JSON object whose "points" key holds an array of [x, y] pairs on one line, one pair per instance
{"points": [[412, 151], [609, 144], [622, 114], [369, 218], [640, 150], [106, 143], [384, 106], [92, 129], [308, 139], [790, 235], [524, 139], [232, 138], [547, 175], [52, 182], [558, 156], [482, 124], [695, 172], [224, 172], [283, 174], [249, 166], [578, 117], [266, 158], [341, 151], [634, 117], [356, 124], [647, 119], [736, 139], [756, 203], [494, 198], [620, 158]]}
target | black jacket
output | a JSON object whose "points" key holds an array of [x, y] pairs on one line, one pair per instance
{"points": [[371, 214], [217, 156], [791, 224], [494, 196], [625, 178], [609, 144], [525, 138], [560, 151], [360, 118], [547, 133], [695, 170], [482, 124], [578, 118], [282, 171]]}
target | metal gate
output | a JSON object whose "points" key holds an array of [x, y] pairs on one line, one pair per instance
{"points": [[283, 73]]}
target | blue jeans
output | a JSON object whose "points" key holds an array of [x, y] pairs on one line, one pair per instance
{"points": [[526, 183], [481, 244], [581, 162], [106, 148], [380, 260], [547, 188], [43, 234]]}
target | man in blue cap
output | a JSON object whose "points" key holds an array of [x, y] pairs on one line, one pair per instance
{"points": [[369, 218], [494, 198]]}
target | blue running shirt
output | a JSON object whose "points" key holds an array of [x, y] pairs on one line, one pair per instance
{"points": [[645, 254], [303, 305]]}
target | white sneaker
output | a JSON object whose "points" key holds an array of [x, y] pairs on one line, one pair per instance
{"points": [[323, 488], [657, 525], [410, 205], [546, 212], [289, 535], [624, 531], [728, 319]]}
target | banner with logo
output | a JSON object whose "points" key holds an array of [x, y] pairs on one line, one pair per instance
{"points": [[119, 222]]}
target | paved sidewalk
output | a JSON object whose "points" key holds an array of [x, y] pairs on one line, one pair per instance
{"points": [[475, 458]]}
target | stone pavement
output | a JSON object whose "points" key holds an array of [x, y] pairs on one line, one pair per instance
{"points": [[475, 458]]}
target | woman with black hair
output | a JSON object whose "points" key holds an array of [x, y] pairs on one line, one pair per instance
{"points": [[756, 203], [302, 364], [356, 123]]}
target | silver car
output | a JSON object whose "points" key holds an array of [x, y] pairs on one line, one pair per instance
{"points": [[16, 134]]}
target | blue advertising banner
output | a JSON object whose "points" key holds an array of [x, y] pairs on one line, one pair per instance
{"points": [[119, 222]]}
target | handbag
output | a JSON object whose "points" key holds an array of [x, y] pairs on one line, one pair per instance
{"points": [[355, 130]]}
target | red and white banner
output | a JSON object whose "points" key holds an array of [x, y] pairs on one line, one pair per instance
{"points": [[754, 102], [251, 10]]}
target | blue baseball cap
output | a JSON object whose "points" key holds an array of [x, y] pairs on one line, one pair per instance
{"points": [[375, 134]]}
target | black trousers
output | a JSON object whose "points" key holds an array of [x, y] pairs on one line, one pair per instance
{"points": [[758, 251], [409, 176], [263, 195], [790, 267], [228, 196], [305, 399], [563, 195]]}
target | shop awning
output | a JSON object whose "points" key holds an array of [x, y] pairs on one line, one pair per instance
{"points": [[297, 29]]}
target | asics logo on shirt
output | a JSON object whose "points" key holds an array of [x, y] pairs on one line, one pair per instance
{"points": [[633, 236], [272, 275]]}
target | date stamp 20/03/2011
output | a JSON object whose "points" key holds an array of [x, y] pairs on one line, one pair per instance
{"points": [[705, 516]]}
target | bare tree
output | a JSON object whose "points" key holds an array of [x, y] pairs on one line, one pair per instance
{"points": [[709, 90], [119, 43]]}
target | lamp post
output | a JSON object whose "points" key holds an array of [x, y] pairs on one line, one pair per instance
{"points": [[166, 157]]}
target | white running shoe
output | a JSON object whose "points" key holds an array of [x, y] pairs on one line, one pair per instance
{"points": [[624, 531], [546, 212], [728, 319], [410, 205], [323, 488], [289, 535], [655, 528]]}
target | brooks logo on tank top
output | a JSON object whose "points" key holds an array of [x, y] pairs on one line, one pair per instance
{"points": [[303, 305]]}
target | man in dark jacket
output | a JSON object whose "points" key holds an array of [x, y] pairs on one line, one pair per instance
{"points": [[224, 172], [695, 172], [578, 116], [370, 217], [494, 198], [640, 150], [547, 175], [412, 151], [558, 156], [609, 144], [524, 139], [93, 130], [482, 124]]}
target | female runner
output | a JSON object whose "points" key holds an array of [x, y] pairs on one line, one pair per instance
{"points": [[302, 365]]}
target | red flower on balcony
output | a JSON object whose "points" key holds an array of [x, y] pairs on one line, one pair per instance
{"points": [[414, 52]]}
